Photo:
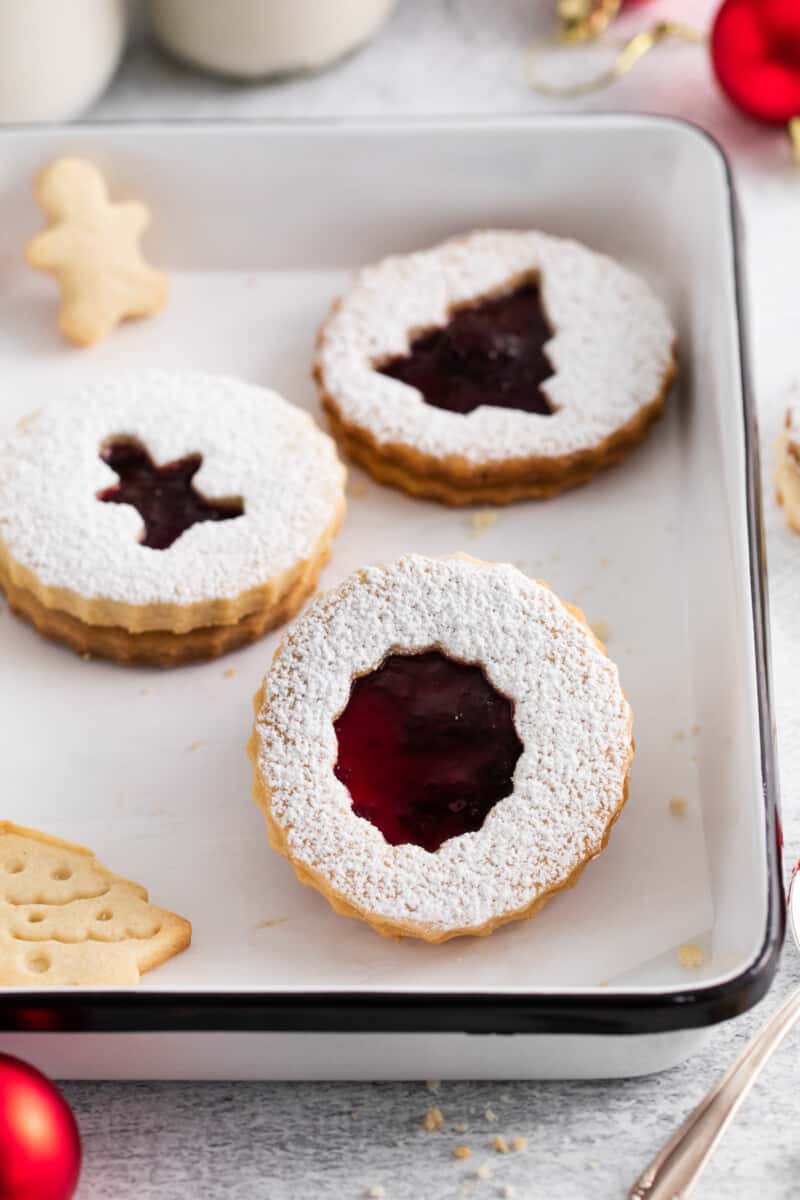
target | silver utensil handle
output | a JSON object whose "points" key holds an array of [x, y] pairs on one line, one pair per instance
{"points": [[676, 1168]]}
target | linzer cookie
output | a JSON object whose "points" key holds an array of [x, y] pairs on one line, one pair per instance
{"points": [[163, 517], [65, 920], [494, 367], [91, 246], [440, 746], [787, 474]]}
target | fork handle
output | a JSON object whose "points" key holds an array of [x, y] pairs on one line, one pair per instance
{"points": [[676, 1168]]}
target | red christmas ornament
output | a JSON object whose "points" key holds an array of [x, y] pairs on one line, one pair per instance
{"points": [[40, 1148], [755, 51]]}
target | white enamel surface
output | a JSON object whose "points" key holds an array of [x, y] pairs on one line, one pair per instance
{"points": [[656, 548]]}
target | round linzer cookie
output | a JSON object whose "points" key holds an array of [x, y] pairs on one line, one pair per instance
{"points": [[440, 746], [161, 517], [787, 473], [494, 367]]}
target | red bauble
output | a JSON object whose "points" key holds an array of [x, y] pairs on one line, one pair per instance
{"points": [[755, 50], [40, 1148]]}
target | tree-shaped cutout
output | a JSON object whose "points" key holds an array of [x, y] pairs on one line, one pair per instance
{"points": [[490, 352], [164, 496]]}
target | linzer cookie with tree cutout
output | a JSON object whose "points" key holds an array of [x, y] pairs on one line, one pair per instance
{"points": [[494, 367], [163, 517], [440, 746]]}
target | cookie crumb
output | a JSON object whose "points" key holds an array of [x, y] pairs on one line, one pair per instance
{"points": [[679, 735], [490, 1115], [375, 1192], [691, 956], [229, 674], [519, 1143], [678, 806], [357, 489], [433, 1120], [482, 520], [483, 1171], [195, 745], [605, 562], [433, 1085], [460, 1127], [272, 921], [144, 691], [461, 1152], [601, 630], [508, 1192], [603, 983], [499, 1144]]}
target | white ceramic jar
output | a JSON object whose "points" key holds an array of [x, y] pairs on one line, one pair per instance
{"points": [[57, 56], [255, 38]]}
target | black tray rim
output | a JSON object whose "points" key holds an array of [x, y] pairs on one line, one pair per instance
{"points": [[584, 1012]]}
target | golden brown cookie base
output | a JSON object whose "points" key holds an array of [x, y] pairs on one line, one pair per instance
{"points": [[171, 618], [457, 482], [395, 928], [161, 648], [787, 482]]}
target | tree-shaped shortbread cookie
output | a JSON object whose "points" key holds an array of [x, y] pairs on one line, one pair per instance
{"points": [[66, 920], [92, 248]]}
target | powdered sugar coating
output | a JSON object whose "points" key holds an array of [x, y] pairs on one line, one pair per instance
{"points": [[569, 712], [254, 445], [611, 352]]}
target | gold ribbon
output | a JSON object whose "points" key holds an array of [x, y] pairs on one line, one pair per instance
{"points": [[585, 20], [629, 55], [794, 138]]}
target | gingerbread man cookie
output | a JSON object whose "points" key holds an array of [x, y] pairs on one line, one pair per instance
{"points": [[92, 248]]}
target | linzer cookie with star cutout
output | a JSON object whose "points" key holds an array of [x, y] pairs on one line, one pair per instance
{"points": [[160, 517], [494, 367], [440, 745]]}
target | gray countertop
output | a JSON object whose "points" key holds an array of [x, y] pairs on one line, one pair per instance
{"points": [[249, 1141], [585, 1141]]}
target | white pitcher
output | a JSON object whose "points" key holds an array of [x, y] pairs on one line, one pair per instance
{"points": [[256, 38], [56, 56]]}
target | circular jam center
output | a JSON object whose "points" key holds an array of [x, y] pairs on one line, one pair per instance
{"points": [[490, 353], [165, 497], [427, 747]]}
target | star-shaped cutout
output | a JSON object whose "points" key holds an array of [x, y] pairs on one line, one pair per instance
{"points": [[165, 497]]}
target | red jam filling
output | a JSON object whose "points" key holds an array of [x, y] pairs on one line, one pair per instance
{"points": [[427, 747], [165, 497], [490, 353]]}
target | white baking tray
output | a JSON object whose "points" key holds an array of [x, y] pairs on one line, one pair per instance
{"points": [[260, 226]]}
